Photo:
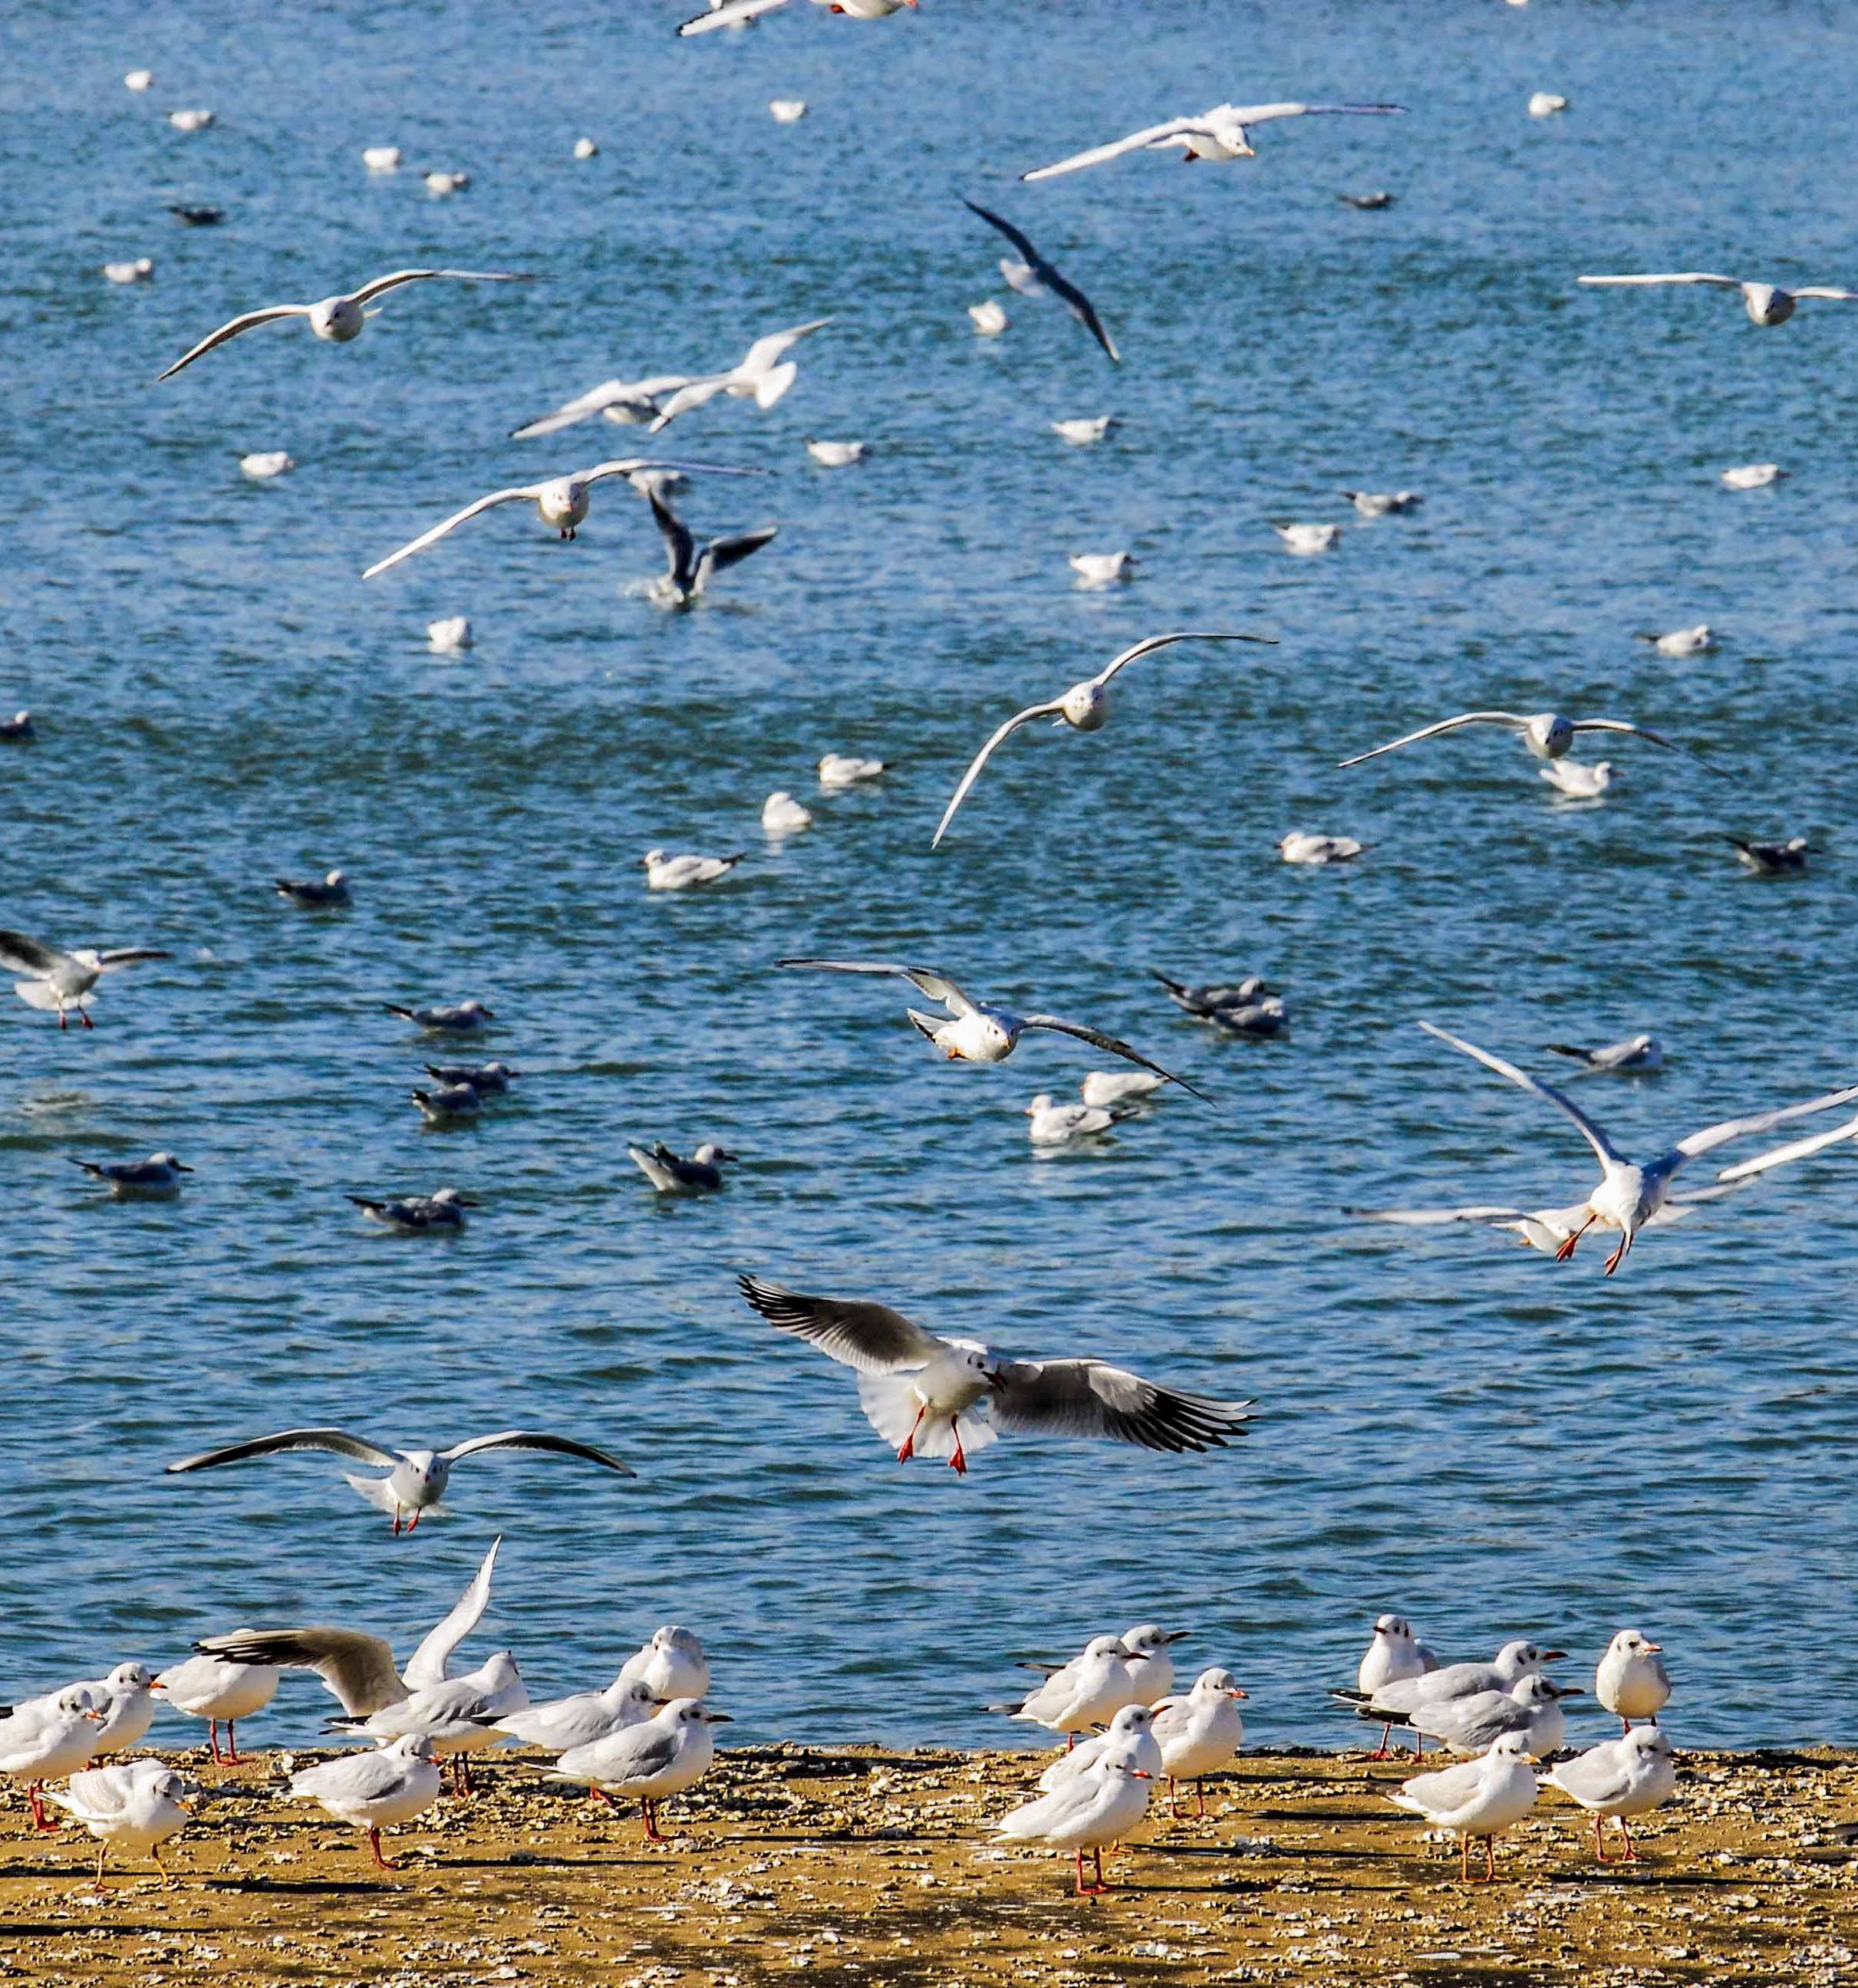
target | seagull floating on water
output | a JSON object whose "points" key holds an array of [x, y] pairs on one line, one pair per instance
{"points": [[449, 1105], [1578, 781], [689, 569], [1638, 1055], [1766, 859], [381, 158], [1548, 103], [314, 893], [1124, 1088], [1085, 706], [439, 184], [1754, 475], [685, 872], [1384, 503], [197, 217], [264, 464], [1547, 734], [834, 454], [155, 1178], [1307, 540], [781, 814], [763, 375], [452, 1018], [485, 1078], [1219, 135], [1102, 569], [189, 121], [57, 981], [1055, 1124], [451, 635], [1081, 433], [416, 1214], [137, 272], [925, 1393], [1696, 641], [1766, 303], [1203, 1002], [1300, 846], [1041, 274], [841, 769], [18, 729], [788, 109], [701, 1174]]}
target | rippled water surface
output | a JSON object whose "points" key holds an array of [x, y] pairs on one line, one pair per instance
{"points": [[1448, 1425]]}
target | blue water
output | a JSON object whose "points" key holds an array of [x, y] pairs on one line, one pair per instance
{"points": [[1448, 1425]]}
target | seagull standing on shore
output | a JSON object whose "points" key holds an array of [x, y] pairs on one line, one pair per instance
{"points": [[1394, 1655], [136, 1804], [1623, 1777], [665, 1755], [1089, 1691], [371, 1791], [215, 1688], [1087, 1812], [1632, 1682], [1200, 1733], [1482, 1798]]}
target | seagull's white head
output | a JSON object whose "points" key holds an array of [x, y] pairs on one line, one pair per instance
{"points": [[452, 1197], [424, 1464], [674, 1636], [130, 1677], [708, 1155], [1131, 1719], [1147, 1637], [167, 1160], [652, 857], [1217, 1682], [1647, 1740], [1041, 1103], [1630, 1643], [336, 879], [1395, 1628], [1509, 1747], [413, 1747], [1084, 705]]}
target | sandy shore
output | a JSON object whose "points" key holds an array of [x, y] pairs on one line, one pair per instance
{"points": [[860, 1866]]}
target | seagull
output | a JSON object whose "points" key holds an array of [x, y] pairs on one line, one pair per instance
{"points": [[1481, 1797], [923, 1392], [1766, 859], [416, 1478], [458, 1715], [451, 1018], [1219, 135], [1102, 569], [1546, 735], [762, 375], [666, 1754], [1132, 1727], [139, 79], [381, 158], [1085, 707], [1622, 1777], [122, 1698], [485, 1078], [314, 893], [1099, 1807], [43, 1742], [1630, 1194], [977, 1032], [1395, 1696], [689, 570], [197, 217], [990, 319], [137, 272], [356, 1667], [213, 1688], [788, 109], [781, 814], [17, 728], [138, 1804], [447, 1104], [701, 1174], [1151, 1664], [1307, 540], [440, 184], [1394, 1655], [1081, 433], [834, 454], [1548, 103], [413, 1214], [1384, 503], [685, 872], [840, 769], [1532, 1706], [189, 121], [1754, 475], [56, 981], [628, 402], [155, 1178], [1300, 846], [1576, 781], [340, 318], [1090, 1689], [1042, 273], [562, 502], [740, 13], [374, 1789], [264, 464], [1054, 1124], [1200, 1732], [1118, 1087], [1203, 1003], [450, 635], [1369, 203], [582, 1718], [1766, 303], [670, 1663], [586, 148], [1632, 1682], [1696, 641], [1638, 1055]]}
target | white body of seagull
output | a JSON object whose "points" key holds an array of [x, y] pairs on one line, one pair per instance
{"points": [[1531, 1707], [1630, 1194], [447, 1104], [1631, 1680], [686, 873], [416, 1478], [1055, 1124], [1640, 1055], [1033, 276], [1083, 1694], [762, 375], [137, 1805], [1302, 846], [1545, 734], [1219, 135], [1753, 475], [788, 109], [439, 184], [582, 1718], [670, 1663], [671, 1174], [1384, 503], [1624, 1777], [1393, 1655], [189, 121], [372, 1791], [1085, 707], [1680, 642], [1575, 781], [1102, 569], [741, 13], [989, 318], [215, 1688], [689, 568], [1099, 1807], [137, 272], [627, 402], [1396, 1696], [1082, 432], [841, 769], [56, 981], [1307, 540], [155, 1178], [781, 814], [1547, 103], [586, 148], [834, 454], [1110, 1088], [1132, 1728], [264, 464], [139, 79], [414, 1214], [924, 1393], [1773, 859], [450, 635], [459, 1714], [1477, 1798], [314, 893], [975, 1032], [381, 158], [340, 318], [666, 1754], [562, 502], [1766, 303], [446, 1018], [124, 1698], [47, 1739], [1200, 1733]]}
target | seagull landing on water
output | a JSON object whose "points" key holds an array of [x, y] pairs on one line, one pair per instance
{"points": [[701, 1174], [926, 1393], [155, 1178], [1040, 275], [1219, 135], [1766, 303], [57, 981], [340, 318], [1546, 735], [689, 568], [1085, 707], [975, 1032], [416, 1478]]}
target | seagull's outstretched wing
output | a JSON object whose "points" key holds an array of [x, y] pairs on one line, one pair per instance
{"points": [[1637, 732], [561, 1445], [427, 1666], [1267, 113], [1826, 291], [1639, 282], [597, 399], [721, 554], [1080, 308], [680, 546], [1779, 1156], [358, 1669], [338, 1440], [693, 393], [1097, 1039], [871, 1337], [128, 956], [21, 954], [529, 491], [1444, 724], [728, 14], [981, 758], [1431, 1218], [1086, 1398], [269, 316], [1713, 1136], [1143, 648], [765, 351], [393, 281], [926, 979], [1097, 155], [1597, 1139], [1032, 258]]}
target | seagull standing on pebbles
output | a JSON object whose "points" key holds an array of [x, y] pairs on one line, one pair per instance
{"points": [[666, 1754], [1766, 303], [1393, 1655], [44, 1741], [373, 1790], [1623, 1777], [1481, 1797], [58, 981], [136, 1804], [685, 872], [1200, 1733], [215, 1688], [1099, 1807], [1632, 1682]]}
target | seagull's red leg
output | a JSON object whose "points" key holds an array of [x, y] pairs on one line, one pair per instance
{"points": [[1632, 1855], [374, 1844], [232, 1755], [1599, 1843], [959, 1461], [1567, 1249], [1618, 1256], [1381, 1751], [1200, 1795], [909, 1442], [1081, 1892], [396, 1522], [651, 1829], [412, 1525], [41, 1821], [83, 1015], [600, 1795], [1173, 1800]]}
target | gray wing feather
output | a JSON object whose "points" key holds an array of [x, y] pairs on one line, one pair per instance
{"points": [[870, 1337], [427, 1666], [337, 1440], [1096, 1037], [1086, 1398], [561, 1445], [21, 954], [358, 1669]]}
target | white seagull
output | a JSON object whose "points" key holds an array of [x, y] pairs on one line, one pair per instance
{"points": [[670, 1174], [1481, 1797], [1766, 303], [416, 1478], [740, 13], [1040, 275], [1384, 503], [381, 158], [688, 568], [1083, 431], [924, 1393], [976, 1031], [561, 501], [46, 1739], [1132, 1727], [1085, 707], [1307, 540], [138, 1804], [1546, 735], [834, 454], [671, 1663], [1098, 1807], [137, 272], [1394, 1655], [1102, 569], [1547, 103], [1622, 1777], [1532, 1706], [1630, 1194], [1696, 641], [763, 374], [781, 814], [1576, 781], [666, 1754], [841, 769], [583, 1717], [1113, 1087], [1075, 1697], [686, 873], [449, 1017], [263, 465], [1219, 135], [372, 1790], [1055, 1124], [1302, 845], [1517, 1659], [1200, 1732], [990, 320], [124, 1699], [340, 318], [450, 635], [459, 1714], [1632, 1682], [627, 402], [213, 1688], [1753, 475], [155, 1178], [57, 981]]}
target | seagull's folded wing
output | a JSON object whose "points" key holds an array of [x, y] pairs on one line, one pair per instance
{"points": [[269, 316], [636, 1753], [1450, 1788], [530, 491], [560, 1445], [1154, 134], [357, 1667], [427, 1666], [1598, 1777], [1086, 1398], [337, 1440], [871, 1337]]}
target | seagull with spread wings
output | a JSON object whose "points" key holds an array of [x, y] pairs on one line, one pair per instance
{"points": [[1085, 707], [763, 375], [977, 1032], [340, 318], [56, 981], [1038, 271], [689, 567], [741, 13], [627, 402], [1766, 303], [1547, 734], [1220, 135], [417, 1478], [925, 1393]]}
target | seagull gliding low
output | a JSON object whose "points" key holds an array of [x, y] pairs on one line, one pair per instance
{"points": [[1219, 134]]}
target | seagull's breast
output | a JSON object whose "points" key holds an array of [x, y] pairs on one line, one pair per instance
{"points": [[1628, 1198], [1768, 304], [563, 504], [984, 1035], [336, 318]]}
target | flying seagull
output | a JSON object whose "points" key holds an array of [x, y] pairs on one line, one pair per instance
{"points": [[1547, 734], [762, 375], [689, 568], [628, 402], [1085, 707], [1766, 303], [1041, 271], [740, 13], [1221, 134], [925, 1393], [56, 981]]}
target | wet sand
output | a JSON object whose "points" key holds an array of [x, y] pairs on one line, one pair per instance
{"points": [[860, 1866]]}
